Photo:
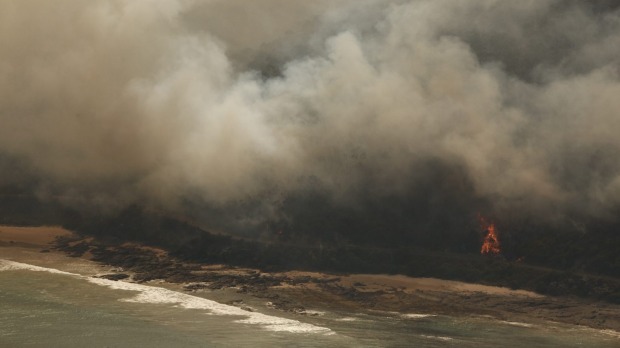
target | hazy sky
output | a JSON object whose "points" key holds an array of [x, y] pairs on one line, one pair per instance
{"points": [[114, 101]]}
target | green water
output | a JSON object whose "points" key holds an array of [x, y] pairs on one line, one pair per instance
{"points": [[42, 309]]}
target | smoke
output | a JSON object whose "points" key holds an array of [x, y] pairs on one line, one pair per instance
{"points": [[509, 106]]}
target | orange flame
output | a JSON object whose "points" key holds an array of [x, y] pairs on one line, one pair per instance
{"points": [[490, 245]]}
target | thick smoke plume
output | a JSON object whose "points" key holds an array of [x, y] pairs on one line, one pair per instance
{"points": [[508, 106]]}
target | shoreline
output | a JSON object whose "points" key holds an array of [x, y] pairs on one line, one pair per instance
{"points": [[293, 291]]}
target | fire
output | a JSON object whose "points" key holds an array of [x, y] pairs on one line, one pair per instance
{"points": [[490, 245]]}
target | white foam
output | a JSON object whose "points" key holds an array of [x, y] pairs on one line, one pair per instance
{"points": [[516, 323], [282, 324], [347, 319], [151, 294], [441, 338], [606, 332], [7, 265], [416, 316], [610, 332]]}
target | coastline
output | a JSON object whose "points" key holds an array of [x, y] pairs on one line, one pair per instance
{"points": [[294, 291]]}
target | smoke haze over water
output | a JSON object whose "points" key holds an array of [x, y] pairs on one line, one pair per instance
{"points": [[508, 106]]}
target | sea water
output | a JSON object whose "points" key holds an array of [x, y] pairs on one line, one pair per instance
{"points": [[49, 307]]}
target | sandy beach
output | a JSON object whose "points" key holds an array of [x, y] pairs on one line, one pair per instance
{"points": [[294, 291], [41, 236]]}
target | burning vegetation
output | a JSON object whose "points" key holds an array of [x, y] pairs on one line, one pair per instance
{"points": [[490, 244]]}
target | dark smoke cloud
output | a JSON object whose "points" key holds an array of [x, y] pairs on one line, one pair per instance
{"points": [[514, 103]]}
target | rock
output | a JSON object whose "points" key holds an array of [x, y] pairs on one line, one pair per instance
{"points": [[114, 276], [195, 286]]}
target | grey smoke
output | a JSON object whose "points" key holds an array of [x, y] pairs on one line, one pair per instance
{"points": [[113, 102]]}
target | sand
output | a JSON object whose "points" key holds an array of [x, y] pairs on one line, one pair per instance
{"points": [[374, 282], [40, 236]]}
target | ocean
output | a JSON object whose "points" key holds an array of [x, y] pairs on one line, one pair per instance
{"points": [[55, 303]]}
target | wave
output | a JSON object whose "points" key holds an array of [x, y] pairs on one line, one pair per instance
{"points": [[7, 265], [416, 316], [151, 294], [604, 332], [610, 332], [440, 338], [516, 323], [347, 319]]}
